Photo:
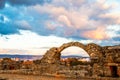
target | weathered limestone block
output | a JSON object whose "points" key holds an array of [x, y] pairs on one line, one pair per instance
{"points": [[51, 56], [97, 70], [118, 71], [107, 71], [117, 60]]}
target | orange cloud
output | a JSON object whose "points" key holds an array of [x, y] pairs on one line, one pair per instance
{"points": [[98, 34]]}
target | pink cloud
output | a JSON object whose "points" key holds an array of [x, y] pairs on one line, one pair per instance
{"points": [[98, 34], [6, 51], [115, 17], [88, 17]]}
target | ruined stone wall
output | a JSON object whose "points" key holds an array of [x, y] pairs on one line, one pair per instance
{"points": [[53, 55], [102, 60], [100, 57], [111, 55]]}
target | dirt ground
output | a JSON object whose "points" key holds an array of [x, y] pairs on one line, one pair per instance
{"points": [[31, 77]]}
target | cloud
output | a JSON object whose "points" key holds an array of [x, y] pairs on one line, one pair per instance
{"points": [[22, 24], [13, 51], [2, 4], [64, 18], [25, 2], [3, 19], [98, 34], [30, 41], [12, 20], [113, 31], [79, 20], [114, 17], [8, 28], [22, 2]]}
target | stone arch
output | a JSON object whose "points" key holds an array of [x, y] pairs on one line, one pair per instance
{"points": [[66, 45], [53, 55]]}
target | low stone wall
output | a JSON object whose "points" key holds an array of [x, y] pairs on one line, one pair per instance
{"points": [[21, 71], [66, 73]]}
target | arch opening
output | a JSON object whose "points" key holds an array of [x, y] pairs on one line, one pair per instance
{"points": [[75, 51], [75, 55]]}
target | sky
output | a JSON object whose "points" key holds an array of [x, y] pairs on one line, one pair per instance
{"points": [[34, 26]]}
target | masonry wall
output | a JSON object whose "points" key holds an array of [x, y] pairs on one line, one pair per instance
{"points": [[118, 71]]}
